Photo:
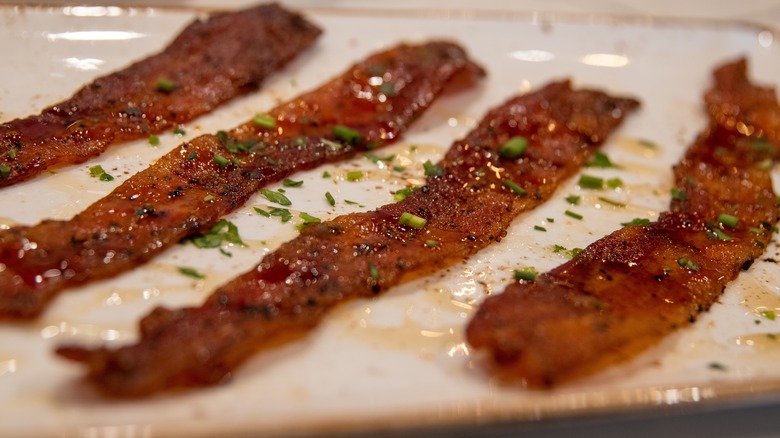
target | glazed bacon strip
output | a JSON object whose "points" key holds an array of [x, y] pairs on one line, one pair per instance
{"points": [[467, 203], [209, 63], [628, 290], [187, 190]]}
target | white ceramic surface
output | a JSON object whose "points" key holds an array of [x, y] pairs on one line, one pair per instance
{"points": [[398, 361]]}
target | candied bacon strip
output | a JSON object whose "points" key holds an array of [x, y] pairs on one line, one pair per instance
{"points": [[467, 205], [209, 63], [628, 290], [188, 189]]}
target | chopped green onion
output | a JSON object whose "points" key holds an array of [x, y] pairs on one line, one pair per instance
{"points": [[611, 202], [355, 175], [400, 195], [539, 228], [287, 182], [717, 233], [282, 213], [374, 158], [262, 212], [330, 198], [678, 194], [179, 131], [591, 182], [309, 219], [347, 134], [511, 185], [636, 221], [526, 274], [154, 140], [573, 215], [717, 366], [769, 314], [373, 271], [264, 121], [432, 243], [5, 171], [513, 148], [614, 183], [191, 272], [222, 231], [755, 230], [275, 197], [326, 174], [728, 220], [221, 161], [687, 264], [12, 153], [399, 168], [550, 220], [431, 169], [408, 219], [165, 85], [98, 172], [573, 199], [600, 159]]}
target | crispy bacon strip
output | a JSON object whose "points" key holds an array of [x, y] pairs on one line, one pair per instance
{"points": [[187, 190], [468, 203], [209, 63], [631, 288]]}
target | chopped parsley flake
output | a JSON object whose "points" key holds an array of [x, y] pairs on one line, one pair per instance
{"points": [[94, 171]]}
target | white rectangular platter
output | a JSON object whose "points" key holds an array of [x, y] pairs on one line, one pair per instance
{"points": [[399, 361]]}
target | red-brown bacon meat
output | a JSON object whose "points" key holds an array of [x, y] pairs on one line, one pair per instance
{"points": [[628, 290], [209, 63], [467, 202], [188, 189]]}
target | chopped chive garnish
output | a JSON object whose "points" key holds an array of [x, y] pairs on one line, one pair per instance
{"points": [[97, 172], [611, 202], [154, 140], [769, 314], [410, 220], [326, 174], [179, 131], [717, 233], [573, 215], [513, 148], [600, 159], [191, 272], [5, 171], [755, 230], [165, 85], [728, 220], [330, 198], [264, 121], [573, 199], [614, 183], [539, 228], [526, 274], [287, 182], [591, 182], [678, 194], [347, 134], [388, 89], [373, 271], [431, 243], [282, 213], [687, 264], [431, 169], [355, 175], [511, 185], [636, 221], [717, 366], [399, 168], [209, 198], [262, 212], [221, 161], [275, 197], [550, 220], [223, 231], [12, 153], [309, 219], [765, 164], [400, 195]]}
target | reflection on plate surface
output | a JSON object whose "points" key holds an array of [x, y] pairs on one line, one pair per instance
{"points": [[400, 360]]}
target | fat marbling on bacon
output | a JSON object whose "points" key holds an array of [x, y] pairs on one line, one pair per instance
{"points": [[467, 202], [628, 290], [208, 63]]}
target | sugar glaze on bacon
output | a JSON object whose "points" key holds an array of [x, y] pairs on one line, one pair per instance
{"points": [[631, 288], [209, 63], [467, 202], [187, 190]]}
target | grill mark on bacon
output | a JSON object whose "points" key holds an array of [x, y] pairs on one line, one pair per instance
{"points": [[186, 191], [209, 63], [361, 255], [628, 290]]}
